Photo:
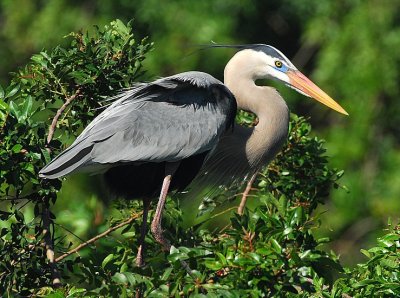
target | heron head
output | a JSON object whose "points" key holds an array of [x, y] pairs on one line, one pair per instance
{"points": [[277, 66]]}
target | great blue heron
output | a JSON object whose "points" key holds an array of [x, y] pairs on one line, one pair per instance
{"points": [[169, 127]]}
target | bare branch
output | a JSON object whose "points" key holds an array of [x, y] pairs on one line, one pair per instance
{"points": [[94, 239], [246, 193], [59, 113]]}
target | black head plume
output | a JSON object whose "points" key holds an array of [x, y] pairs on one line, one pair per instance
{"points": [[267, 49]]}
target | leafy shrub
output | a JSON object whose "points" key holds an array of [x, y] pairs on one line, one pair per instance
{"points": [[379, 275], [68, 82]]}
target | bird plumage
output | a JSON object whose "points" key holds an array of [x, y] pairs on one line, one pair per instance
{"points": [[245, 150], [146, 124]]}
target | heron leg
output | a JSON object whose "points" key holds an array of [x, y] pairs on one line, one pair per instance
{"points": [[156, 228], [246, 193], [143, 231]]}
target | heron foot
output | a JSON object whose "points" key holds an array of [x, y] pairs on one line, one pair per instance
{"points": [[139, 257], [156, 228], [158, 235]]}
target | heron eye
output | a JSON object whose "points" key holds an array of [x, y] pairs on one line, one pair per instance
{"points": [[278, 63]]}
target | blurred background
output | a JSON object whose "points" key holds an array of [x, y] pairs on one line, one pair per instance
{"points": [[350, 48]]}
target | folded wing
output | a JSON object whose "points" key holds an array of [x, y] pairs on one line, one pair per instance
{"points": [[167, 120]]}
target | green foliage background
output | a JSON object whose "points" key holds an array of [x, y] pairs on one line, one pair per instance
{"points": [[348, 47]]}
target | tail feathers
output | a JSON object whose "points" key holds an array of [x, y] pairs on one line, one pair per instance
{"points": [[67, 162]]}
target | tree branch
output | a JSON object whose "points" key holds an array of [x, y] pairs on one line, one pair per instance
{"points": [[94, 239], [49, 244], [46, 220], [59, 113], [246, 193]]}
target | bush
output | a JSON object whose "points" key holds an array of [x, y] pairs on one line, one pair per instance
{"points": [[66, 85], [268, 251]]}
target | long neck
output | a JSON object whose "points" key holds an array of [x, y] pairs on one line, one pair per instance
{"points": [[267, 137]]}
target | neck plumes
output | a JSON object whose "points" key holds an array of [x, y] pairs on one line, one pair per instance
{"points": [[268, 136]]}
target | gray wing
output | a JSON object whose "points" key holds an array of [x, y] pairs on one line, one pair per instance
{"points": [[166, 120]]}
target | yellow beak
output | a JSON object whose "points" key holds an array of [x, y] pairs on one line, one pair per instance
{"points": [[305, 85]]}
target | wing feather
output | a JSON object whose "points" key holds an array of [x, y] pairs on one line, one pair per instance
{"points": [[166, 120]]}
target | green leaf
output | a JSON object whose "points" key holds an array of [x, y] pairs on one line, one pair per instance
{"points": [[340, 173], [3, 105], [119, 278], [120, 26], [365, 282], [391, 237], [4, 108], [177, 257], [275, 245], [366, 253], [57, 294], [263, 251], [242, 261], [16, 148], [298, 216], [29, 168], [213, 264], [129, 235], [221, 257], [26, 108], [167, 273], [46, 155], [390, 263], [15, 110], [107, 259], [323, 240], [287, 231], [130, 277], [19, 215], [74, 290], [255, 256], [13, 91], [378, 270]]}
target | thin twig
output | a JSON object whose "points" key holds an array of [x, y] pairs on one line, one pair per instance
{"points": [[94, 239], [59, 113], [246, 193], [69, 231], [220, 213]]}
